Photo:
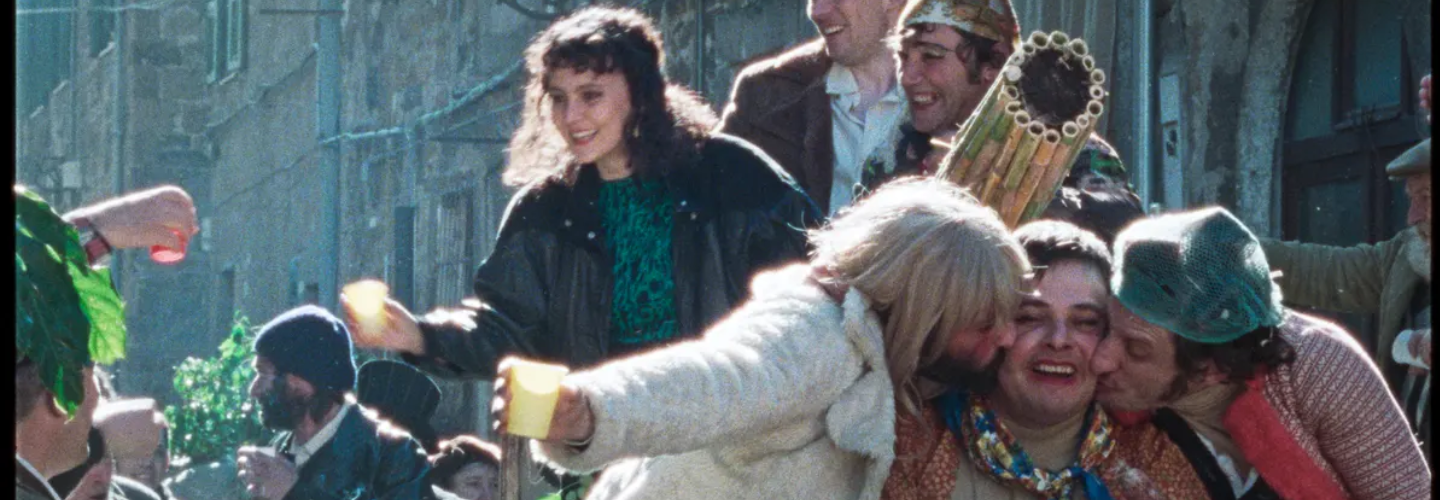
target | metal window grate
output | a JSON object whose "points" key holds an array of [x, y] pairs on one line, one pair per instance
{"points": [[453, 248]]}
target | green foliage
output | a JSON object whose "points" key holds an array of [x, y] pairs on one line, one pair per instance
{"points": [[216, 415], [68, 314]]}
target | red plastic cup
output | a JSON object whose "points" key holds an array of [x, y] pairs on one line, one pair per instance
{"points": [[170, 256]]}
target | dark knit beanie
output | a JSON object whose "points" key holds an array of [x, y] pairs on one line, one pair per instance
{"points": [[312, 344]]}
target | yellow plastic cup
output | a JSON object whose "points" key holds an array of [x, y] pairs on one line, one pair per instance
{"points": [[534, 389], [367, 303]]}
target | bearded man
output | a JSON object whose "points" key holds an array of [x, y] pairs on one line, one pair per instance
{"points": [[1391, 278], [330, 447]]}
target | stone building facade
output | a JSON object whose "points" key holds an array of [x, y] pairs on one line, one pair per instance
{"points": [[220, 97]]}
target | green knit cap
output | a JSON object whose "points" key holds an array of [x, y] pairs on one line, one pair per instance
{"points": [[1200, 274]]}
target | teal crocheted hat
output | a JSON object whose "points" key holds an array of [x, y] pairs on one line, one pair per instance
{"points": [[1200, 274]]}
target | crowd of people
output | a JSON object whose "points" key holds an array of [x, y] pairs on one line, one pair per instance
{"points": [[782, 302]]}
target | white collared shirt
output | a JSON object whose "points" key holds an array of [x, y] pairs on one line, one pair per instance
{"points": [[858, 133], [1227, 465], [311, 447], [26, 464]]}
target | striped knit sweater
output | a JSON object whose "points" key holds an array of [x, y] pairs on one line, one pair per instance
{"points": [[1333, 408]]}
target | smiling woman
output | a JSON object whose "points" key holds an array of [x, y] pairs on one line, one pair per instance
{"points": [[597, 95], [1039, 432], [634, 227]]}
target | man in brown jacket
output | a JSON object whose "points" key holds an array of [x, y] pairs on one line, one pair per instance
{"points": [[1391, 278], [826, 107]]}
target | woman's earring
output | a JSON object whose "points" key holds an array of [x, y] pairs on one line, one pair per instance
{"points": [[635, 131]]}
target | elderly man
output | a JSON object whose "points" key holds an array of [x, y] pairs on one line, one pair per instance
{"points": [[828, 109], [1390, 278], [1038, 434], [950, 52], [329, 447], [62, 303], [1262, 401]]}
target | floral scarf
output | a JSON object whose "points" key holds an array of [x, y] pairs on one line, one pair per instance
{"points": [[994, 451]]}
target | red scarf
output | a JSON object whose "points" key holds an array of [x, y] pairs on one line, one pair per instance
{"points": [[1257, 430]]}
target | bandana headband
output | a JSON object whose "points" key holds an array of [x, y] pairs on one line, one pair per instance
{"points": [[990, 19]]}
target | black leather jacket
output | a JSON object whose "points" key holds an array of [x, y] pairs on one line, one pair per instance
{"points": [[545, 291], [362, 462]]}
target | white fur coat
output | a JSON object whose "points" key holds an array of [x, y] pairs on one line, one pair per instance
{"points": [[787, 398]]}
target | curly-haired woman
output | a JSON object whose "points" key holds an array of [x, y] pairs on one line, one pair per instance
{"points": [[634, 225]]}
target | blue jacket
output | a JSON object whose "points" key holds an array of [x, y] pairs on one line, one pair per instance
{"points": [[363, 461]]}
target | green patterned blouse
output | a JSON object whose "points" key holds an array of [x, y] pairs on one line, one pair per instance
{"points": [[637, 219]]}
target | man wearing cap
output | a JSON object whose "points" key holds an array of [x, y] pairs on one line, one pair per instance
{"points": [[1261, 401], [950, 52], [403, 395], [1098, 169], [828, 108], [1390, 278], [1097, 195], [329, 447]]}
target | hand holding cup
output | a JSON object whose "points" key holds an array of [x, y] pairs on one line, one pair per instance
{"points": [[162, 218], [533, 400], [266, 474], [377, 322]]}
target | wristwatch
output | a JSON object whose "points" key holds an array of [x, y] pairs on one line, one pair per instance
{"points": [[97, 249]]}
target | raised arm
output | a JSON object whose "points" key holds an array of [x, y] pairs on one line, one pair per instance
{"points": [[163, 216], [1345, 279]]}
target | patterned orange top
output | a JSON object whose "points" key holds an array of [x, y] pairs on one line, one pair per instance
{"points": [[927, 456]]}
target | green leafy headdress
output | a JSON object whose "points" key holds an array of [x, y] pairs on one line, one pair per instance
{"points": [[68, 314]]}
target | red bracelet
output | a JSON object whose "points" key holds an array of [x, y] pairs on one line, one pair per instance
{"points": [[94, 243]]}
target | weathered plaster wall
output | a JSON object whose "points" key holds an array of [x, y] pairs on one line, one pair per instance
{"points": [[1234, 58]]}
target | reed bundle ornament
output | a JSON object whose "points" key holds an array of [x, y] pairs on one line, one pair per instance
{"points": [[1017, 147]]}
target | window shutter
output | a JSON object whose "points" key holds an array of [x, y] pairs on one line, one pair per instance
{"points": [[236, 36], [215, 24]]}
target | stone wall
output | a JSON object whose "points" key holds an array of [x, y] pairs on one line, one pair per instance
{"points": [[429, 97]]}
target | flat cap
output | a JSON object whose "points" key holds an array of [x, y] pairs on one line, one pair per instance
{"points": [[1413, 161]]}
